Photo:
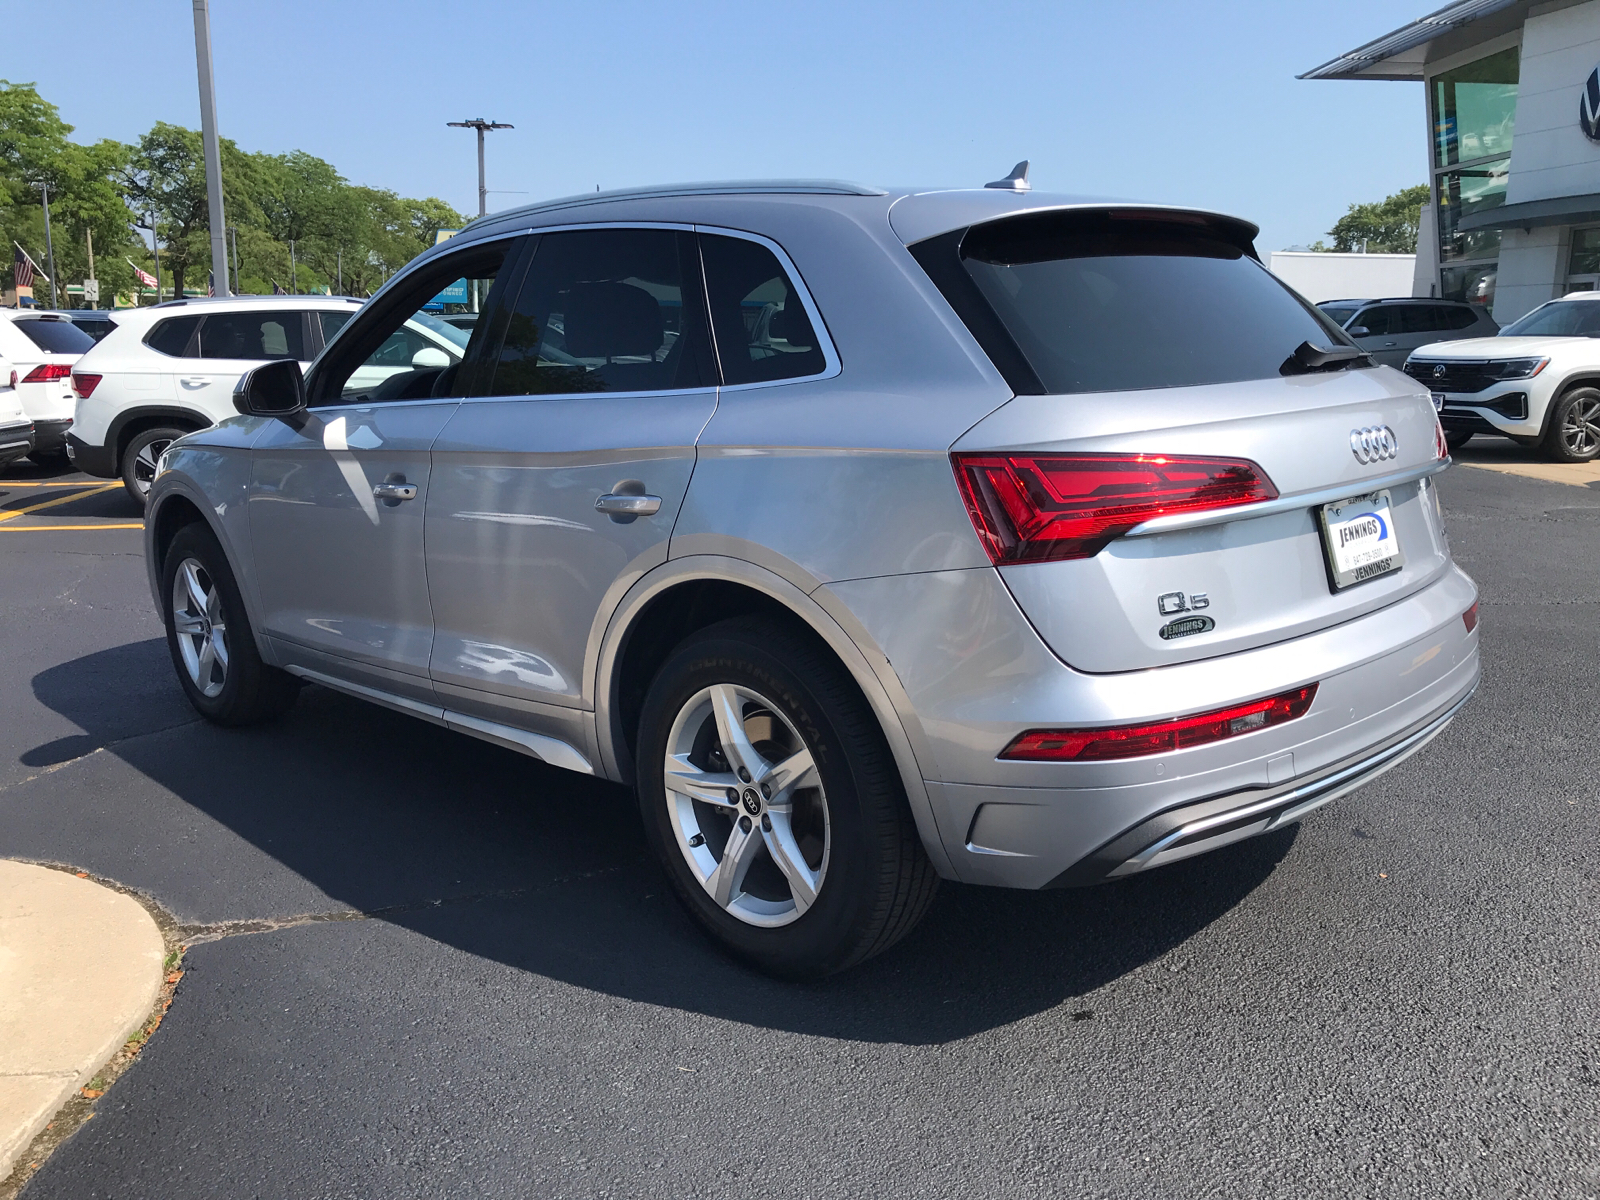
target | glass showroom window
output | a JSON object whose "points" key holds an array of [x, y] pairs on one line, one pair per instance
{"points": [[1583, 268], [1474, 111]]}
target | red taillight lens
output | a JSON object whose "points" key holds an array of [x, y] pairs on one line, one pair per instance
{"points": [[84, 385], [1133, 741], [1441, 448], [1042, 507], [45, 372], [1470, 617]]}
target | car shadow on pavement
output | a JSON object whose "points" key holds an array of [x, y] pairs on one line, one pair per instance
{"points": [[548, 872]]}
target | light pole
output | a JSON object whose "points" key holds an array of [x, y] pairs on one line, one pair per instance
{"points": [[482, 127], [49, 249], [213, 150]]}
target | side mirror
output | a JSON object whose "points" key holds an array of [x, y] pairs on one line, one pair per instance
{"points": [[274, 389], [430, 356], [1359, 331]]}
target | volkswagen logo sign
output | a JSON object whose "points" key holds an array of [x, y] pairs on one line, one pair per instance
{"points": [[1374, 443], [1438, 370], [1589, 106]]}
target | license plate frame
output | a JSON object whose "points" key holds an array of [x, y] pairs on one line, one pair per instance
{"points": [[1348, 546]]}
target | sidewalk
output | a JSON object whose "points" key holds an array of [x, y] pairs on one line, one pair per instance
{"points": [[80, 969]]}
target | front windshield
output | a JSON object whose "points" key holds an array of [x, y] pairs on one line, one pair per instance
{"points": [[1558, 318], [457, 337]]}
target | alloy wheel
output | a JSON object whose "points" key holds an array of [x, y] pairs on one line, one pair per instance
{"points": [[200, 626], [1580, 427], [746, 805], [144, 464]]}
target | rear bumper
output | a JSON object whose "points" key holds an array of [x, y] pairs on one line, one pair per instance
{"points": [[92, 460], [15, 441], [51, 436], [1195, 829]]}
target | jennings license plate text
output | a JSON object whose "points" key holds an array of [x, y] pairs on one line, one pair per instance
{"points": [[1360, 539]]}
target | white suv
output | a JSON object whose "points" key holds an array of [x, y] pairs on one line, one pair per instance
{"points": [[43, 346], [16, 430], [1537, 382], [171, 369]]}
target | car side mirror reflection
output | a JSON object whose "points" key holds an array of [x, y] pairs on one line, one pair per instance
{"points": [[1359, 331], [430, 356], [274, 389]]}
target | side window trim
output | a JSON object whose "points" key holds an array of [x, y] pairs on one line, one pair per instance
{"points": [[830, 355]]}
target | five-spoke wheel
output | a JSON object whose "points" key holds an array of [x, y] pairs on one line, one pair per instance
{"points": [[200, 626]]}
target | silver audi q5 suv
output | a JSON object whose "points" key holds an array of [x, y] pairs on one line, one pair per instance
{"points": [[874, 537]]}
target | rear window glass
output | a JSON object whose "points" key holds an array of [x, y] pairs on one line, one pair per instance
{"points": [[172, 335], [763, 332], [332, 322], [56, 337], [1109, 301]]}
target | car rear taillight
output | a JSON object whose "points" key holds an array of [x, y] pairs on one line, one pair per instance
{"points": [[84, 385], [1043, 507], [1441, 447], [1470, 617], [45, 372], [1134, 741]]}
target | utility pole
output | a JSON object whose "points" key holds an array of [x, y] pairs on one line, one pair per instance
{"points": [[49, 250], [294, 288], [213, 149], [341, 271], [88, 236], [482, 127], [155, 249], [234, 231]]}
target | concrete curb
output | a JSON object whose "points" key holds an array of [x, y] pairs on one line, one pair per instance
{"points": [[80, 970]]}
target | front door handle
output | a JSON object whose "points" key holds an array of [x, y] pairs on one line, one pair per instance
{"points": [[1386, 345], [625, 507], [391, 492], [194, 380]]}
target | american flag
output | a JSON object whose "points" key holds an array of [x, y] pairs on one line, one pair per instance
{"points": [[22, 265], [143, 276]]}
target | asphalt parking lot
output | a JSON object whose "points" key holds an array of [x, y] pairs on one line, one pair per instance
{"points": [[423, 966]]}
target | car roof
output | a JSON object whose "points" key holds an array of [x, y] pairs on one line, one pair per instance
{"points": [[1590, 296], [1401, 300], [249, 302]]}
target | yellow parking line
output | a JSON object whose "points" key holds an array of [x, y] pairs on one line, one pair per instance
{"points": [[22, 512], [11, 483], [52, 528]]}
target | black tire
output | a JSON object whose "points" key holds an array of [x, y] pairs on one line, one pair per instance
{"points": [[1457, 438], [1573, 432], [878, 882], [139, 459], [250, 691]]}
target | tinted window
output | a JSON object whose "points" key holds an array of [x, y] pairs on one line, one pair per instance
{"points": [[1422, 318], [612, 310], [172, 335], [1559, 318], [332, 322], [762, 330], [1460, 317], [1376, 321], [1111, 301], [1336, 313], [95, 327], [252, 335], [56, 337]]}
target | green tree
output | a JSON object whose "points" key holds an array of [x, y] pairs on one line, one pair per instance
{"points": [[1386, 227]]}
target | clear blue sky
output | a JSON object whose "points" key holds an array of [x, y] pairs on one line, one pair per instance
{"points": [[1152, 99]]}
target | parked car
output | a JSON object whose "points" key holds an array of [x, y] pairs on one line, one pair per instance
{"points": [[93, 321], [43, 346], [1537, 382], [16, 430], [1389, 330], [170, 369], [874, 537]]}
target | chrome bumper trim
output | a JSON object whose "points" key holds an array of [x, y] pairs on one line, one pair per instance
{"points": [[1289, 806]]}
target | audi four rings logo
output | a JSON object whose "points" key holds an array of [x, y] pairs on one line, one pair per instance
{"points": [[1374, 443]]}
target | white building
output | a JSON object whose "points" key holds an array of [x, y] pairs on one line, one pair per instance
{"points": [[1332, 276], [1513, 115]]}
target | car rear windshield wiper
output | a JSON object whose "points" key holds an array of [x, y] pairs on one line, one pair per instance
{"points": [[1307, 357]]}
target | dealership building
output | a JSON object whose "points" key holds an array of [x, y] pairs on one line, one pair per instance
{"points": [[1513, 127]]}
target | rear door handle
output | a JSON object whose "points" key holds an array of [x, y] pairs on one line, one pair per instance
{"points": [[628, 506], [1386, 345], [392, 493]]}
